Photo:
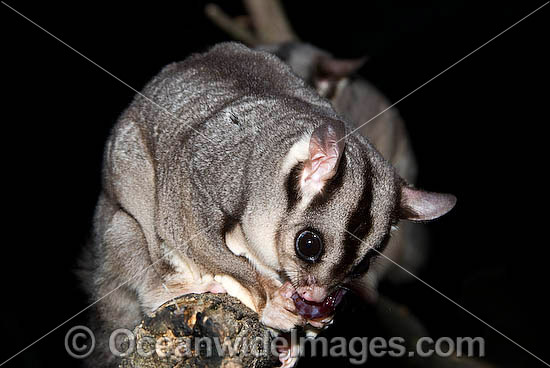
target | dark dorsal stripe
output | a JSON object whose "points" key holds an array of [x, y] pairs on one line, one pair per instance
{"points": [[291, 185], [359, 224]]}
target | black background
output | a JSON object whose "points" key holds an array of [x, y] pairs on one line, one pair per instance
{"points": [[478, 131]]}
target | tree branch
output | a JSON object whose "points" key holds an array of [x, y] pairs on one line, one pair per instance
{"points": [[268, 23], [190, 330]]}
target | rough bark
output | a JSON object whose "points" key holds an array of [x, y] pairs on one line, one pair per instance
{"points": [[176, 335]]}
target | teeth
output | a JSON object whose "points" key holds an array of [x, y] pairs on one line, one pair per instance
{"points": [[312, 310]]}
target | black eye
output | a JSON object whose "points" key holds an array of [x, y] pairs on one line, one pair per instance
{"points": [[309, 246]]}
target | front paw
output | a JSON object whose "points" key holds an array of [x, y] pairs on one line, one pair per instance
{"points": [[280, 312]]}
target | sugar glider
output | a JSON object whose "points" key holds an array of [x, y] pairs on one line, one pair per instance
{"points": [[228, 173]]}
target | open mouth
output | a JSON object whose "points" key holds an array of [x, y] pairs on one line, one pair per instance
{"points": [[313, 310]]}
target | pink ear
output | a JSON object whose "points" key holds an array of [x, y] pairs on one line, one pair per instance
{"points": [[419, 205], [331, 71], [326, 147], [331, 68]]}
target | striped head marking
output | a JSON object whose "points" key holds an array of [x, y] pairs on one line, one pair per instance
{"points": [[342, 200]]}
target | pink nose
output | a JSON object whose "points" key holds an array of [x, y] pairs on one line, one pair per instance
{"points": [[312, 293]]}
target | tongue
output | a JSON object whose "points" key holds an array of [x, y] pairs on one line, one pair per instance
{"points": [[312, 310]]}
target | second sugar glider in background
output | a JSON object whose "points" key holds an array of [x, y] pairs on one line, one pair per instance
{"points": [[229, 174]]}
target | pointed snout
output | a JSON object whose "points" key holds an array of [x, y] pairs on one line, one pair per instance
{"points": [[312, 293]]}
